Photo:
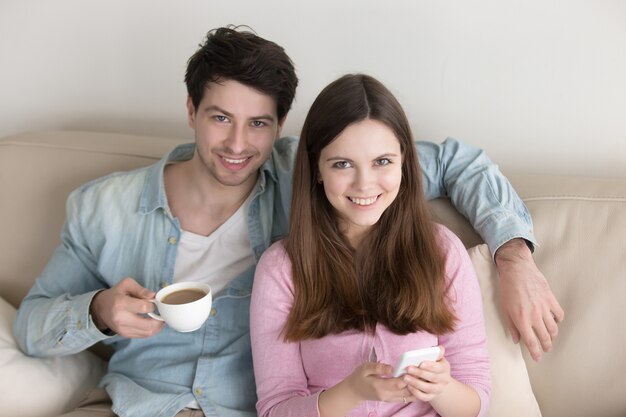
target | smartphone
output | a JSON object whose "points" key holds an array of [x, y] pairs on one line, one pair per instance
{"points": [[414, 358]]}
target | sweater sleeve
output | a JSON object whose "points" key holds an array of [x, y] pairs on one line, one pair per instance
{"points": [[466, 346], [281, 382]]}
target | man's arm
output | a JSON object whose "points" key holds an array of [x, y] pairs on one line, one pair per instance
{"points": [[50, 323], [71, 307], [54, 317], [485, 197]]}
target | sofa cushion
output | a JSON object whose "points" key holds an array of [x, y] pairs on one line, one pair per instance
{"points": [[40, 387], [511, 392]]}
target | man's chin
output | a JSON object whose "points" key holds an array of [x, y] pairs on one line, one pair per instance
{"points": [[235, 180]]}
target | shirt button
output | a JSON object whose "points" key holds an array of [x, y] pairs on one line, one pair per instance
{"points": [[198, 391], [163, 284], [213, 312], [79, 324], [172, 240]]}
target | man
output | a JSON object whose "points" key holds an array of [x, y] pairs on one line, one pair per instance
{"points": [[206, 212]]}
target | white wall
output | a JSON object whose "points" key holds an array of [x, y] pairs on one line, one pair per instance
{"points": [[539, 84]]}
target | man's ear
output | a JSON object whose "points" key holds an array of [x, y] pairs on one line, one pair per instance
{"points": [[281, 123], [191, 113]]}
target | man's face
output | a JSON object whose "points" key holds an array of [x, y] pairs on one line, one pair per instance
{"points": [[235, 128]]}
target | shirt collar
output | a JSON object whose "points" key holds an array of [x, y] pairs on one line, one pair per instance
{"points": [[153, 194]]}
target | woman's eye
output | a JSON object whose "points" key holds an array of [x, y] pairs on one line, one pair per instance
{"points": [[383, 161], [342, 164]]}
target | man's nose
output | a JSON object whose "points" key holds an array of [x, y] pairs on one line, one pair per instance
{"points": [[237, 139]]}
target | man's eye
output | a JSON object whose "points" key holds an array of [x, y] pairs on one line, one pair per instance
{"points": [[383, 161], [342, 164], [220, 118], [258, 123]]}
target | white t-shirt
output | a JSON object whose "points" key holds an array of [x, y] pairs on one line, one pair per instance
{"points": [[219, 258]]}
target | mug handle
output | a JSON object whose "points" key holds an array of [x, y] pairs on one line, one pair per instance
{"points": [[155, 315]]}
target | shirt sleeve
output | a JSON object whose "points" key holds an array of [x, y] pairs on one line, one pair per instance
{"points": [[466, 346], [53, 319], [478, 190], [280, 378]]}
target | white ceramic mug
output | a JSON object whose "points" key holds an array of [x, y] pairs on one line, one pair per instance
{"points": [[185, 316]]}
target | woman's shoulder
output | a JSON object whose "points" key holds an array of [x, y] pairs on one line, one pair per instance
{"points": [[274, 269], [457, 261], [275, 258], [276, 251], [448, 241]]}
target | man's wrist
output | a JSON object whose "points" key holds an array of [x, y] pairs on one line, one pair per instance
{"points": [[100, 325], [514, 250]]}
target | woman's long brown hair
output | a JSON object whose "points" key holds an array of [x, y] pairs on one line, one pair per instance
{"points": [[396, 275]]}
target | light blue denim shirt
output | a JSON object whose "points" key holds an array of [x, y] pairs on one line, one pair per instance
{"points": [[121, 225]]}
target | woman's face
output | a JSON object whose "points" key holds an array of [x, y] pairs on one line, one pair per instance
{"points": [[361, 171]]}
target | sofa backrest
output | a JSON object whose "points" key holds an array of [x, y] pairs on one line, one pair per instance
{"points": [[37, 172], [581, 226]]}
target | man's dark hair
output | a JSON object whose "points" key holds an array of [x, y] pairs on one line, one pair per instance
{"points": [[239, 55]]}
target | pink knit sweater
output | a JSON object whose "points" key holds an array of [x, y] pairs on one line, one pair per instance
{"points": [[290, 376]]}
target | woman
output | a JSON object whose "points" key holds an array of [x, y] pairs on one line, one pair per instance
{"points": [[364, 276]]}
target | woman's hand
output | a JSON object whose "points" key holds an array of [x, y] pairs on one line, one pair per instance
{"points": [[369, 382], [373, 382], [431, 382], [429, 379]]}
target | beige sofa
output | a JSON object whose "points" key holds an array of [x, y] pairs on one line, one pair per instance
{"points": [[580, 223]]}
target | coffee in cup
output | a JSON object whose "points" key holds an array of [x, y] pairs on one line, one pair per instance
{"points": [[184, 306], [183, 296]]}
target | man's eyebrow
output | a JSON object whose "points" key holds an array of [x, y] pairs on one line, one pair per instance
{"points": [[217, 109], [264, 117], [229, 114]]}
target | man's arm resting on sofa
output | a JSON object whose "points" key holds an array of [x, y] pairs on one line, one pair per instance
{"points": [[486, 198]]}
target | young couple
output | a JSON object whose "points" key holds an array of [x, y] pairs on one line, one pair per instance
{"points": [[362, 276]]}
